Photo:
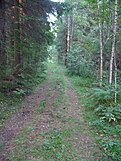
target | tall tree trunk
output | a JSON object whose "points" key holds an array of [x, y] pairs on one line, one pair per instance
{"points": [[114, 43], [67, 41], [71, 29], [115, 75], [101, 44]]}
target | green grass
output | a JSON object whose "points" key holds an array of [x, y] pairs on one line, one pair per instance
{"points": [[49, 146], [55, 147], [41, 106], [9, 106], [59, 82], [107, 134], [57, 72]]}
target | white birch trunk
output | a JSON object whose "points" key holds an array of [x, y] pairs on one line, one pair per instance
{"points": [[101, 45], [114, 43], [67, 41], [68, 34], [115, 87]]}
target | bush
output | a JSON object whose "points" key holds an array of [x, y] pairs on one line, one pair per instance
{"points": [[110, 113]]}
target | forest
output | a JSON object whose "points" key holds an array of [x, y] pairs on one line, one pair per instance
{"points": [[60, 80]]}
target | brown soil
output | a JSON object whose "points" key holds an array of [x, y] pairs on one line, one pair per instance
{"points": [[49, 119]]}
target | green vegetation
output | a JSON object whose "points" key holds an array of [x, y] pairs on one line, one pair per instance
{"points": [[47, 146], [87, 43], [41, 106], [58, 81], [55, 144], [86, 38], [24, 41], [10, 104], [103, 119], [54, 147]]}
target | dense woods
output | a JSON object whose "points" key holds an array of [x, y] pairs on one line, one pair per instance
{"points": [[86, 39], [24, 38], [90, 41], [89, 44], [92, 29]]}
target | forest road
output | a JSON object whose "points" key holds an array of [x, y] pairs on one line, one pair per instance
{"points": [[49, 126]]}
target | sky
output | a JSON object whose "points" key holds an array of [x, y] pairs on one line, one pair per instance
{"points": [[57, 0], [52, 18]]}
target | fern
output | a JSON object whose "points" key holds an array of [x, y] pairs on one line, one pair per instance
{"points": [[110, 114]]}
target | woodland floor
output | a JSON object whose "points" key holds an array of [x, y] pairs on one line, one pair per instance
{"points": [[49, 126]]}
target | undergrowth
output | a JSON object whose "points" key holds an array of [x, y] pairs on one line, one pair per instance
{"points": [[54, 147], [48, 146], [102, 115], [13, 94]]}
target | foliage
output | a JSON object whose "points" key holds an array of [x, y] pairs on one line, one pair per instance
{"points": [[54, 146], [79, 65], [103, 117], [27, 37], [82, 44], [24, 55], [103, 95], [14, 95], [111, 113]]}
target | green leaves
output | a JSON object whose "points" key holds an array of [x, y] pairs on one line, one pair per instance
{"points": [[54, 146], [19, 91], [102, 95], [110, 114]]}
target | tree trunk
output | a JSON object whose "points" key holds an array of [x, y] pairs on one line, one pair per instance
{"points": [[115, 86], [101, 44], [114, 43], [67, 41]]}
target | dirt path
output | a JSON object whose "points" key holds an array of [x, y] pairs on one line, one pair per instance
{"points": [[17, 121], [85, 145], [48, 115]]}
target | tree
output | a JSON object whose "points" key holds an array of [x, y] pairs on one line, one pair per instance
{"points": [[25, 35], [67, 41], [114, 42], [101, 44]]}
